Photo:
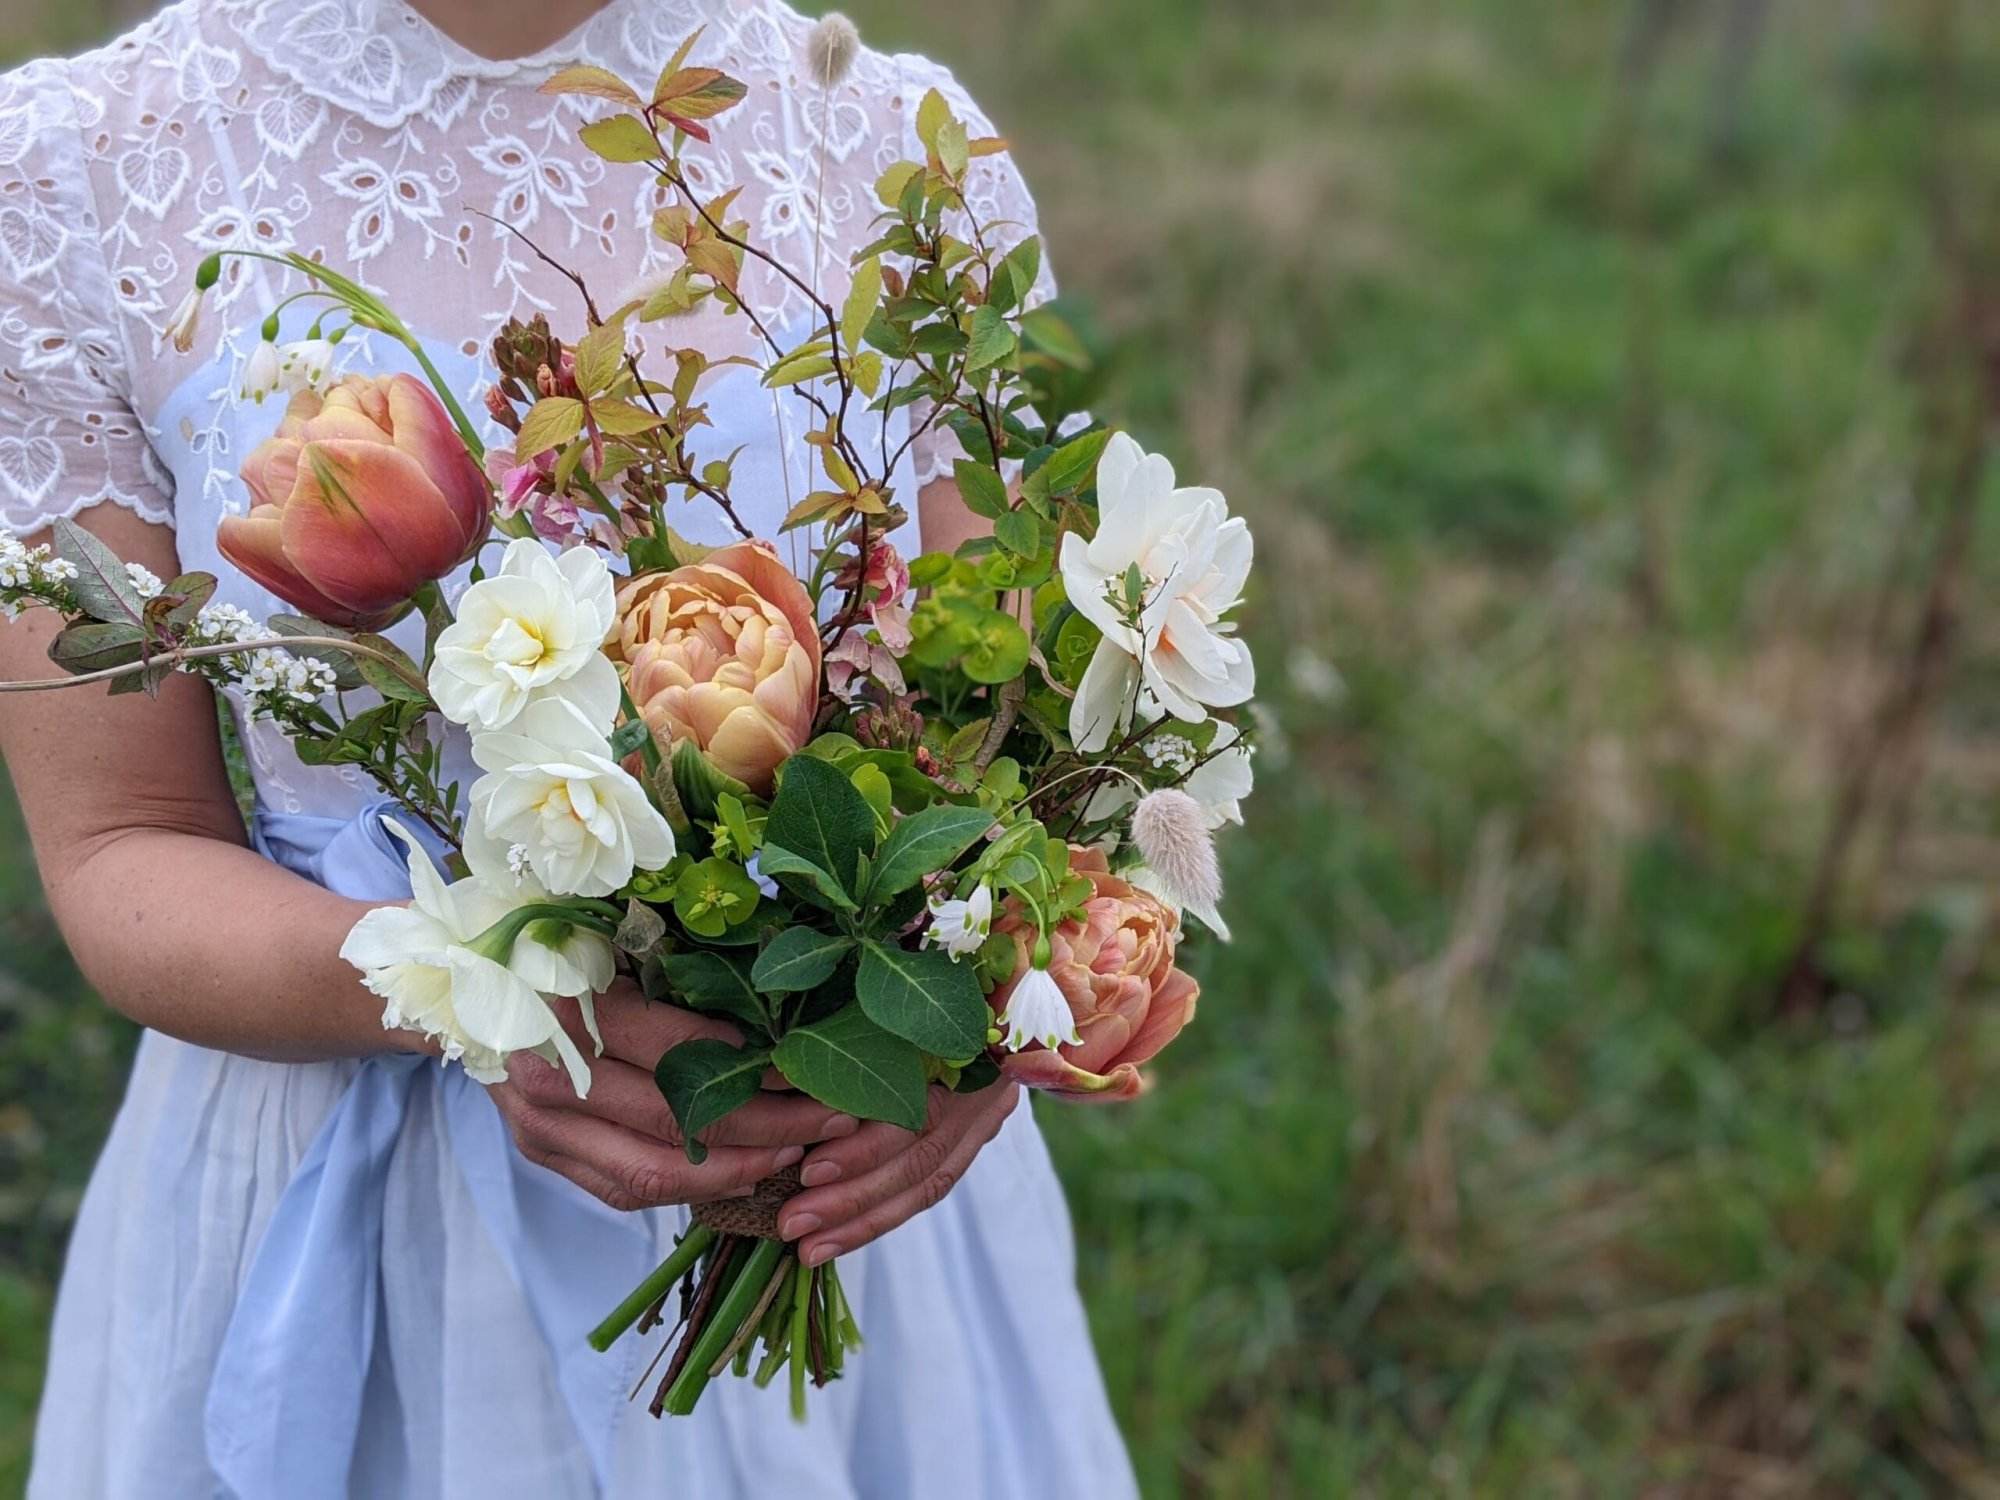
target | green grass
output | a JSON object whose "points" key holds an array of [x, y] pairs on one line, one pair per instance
{"points": [[1578, 470]]}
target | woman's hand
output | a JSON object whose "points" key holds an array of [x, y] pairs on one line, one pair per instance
{"points": [[622, 1143], [861, 1187]]}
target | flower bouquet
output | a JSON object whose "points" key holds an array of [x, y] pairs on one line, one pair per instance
{"points": [[905, 824]]}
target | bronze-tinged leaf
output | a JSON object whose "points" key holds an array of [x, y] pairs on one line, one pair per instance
{"points": [[674, 225], [719, 262], [697, 93], [621, 138], [599, 83], [987, 145], [680, 56], [553, 422]]}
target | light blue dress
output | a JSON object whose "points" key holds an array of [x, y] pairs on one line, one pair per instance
{"points": [[339, 1279]]}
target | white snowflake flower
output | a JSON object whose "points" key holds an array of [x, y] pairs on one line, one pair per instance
{"points": [[960, 927]]}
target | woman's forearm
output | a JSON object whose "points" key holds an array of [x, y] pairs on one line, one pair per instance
{"points": [[208, 941]]}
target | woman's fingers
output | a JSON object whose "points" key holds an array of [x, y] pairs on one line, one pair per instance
{"points": [[628, 1096], [637, 1031], [901, 1188], [629, 1170], [860, 1188]]}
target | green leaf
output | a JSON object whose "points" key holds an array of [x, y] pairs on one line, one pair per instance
{"points": [[849, 1063], [890, 186], [1019, 533], [991, 339], [924, 998], [819, 816], [553, 422], [926, 842], [859, 309], [982, 489], [1015, 276], [775, 860], [600, 355], [89, 645], [798, 959], [378, 675], [1069, 467], [933, 114], [697, 781], [622, 138], [628, 737], [100, 585], [997, 648], [716, 982], [704, 1080]]}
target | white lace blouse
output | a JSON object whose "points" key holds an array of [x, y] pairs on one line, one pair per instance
{"points": [[357, 133]]}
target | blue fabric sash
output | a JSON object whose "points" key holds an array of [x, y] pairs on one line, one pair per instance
{"points": [[284, 1406]]}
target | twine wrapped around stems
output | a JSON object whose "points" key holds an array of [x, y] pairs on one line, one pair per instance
{"points": [[756, 1215]]}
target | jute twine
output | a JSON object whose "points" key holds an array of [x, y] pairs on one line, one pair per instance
{"points": [[756, 1215]]}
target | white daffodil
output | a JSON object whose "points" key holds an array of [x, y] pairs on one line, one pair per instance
{"points": [[444, 967], [1166, 565], [1037, 1012], [263, 372], [553, 800], [533, 629], [305, 365], [960, 927]]}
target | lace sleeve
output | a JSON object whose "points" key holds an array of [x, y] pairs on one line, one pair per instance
{"points": [[998, 196], [68, 436]]}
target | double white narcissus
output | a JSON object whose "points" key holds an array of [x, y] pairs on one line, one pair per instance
{"points": [[448, 965], [535, 628], [1166, 647], [554, 800]]}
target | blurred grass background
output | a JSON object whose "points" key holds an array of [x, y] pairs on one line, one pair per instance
{"points": [[1599, 1098]]}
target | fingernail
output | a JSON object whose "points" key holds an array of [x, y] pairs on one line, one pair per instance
{"points": [[819, 1255], [789, 1155], [838, 1125], [820, 1173], [798, 1225]]}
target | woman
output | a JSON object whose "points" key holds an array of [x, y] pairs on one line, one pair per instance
{"points": [[302, 1267]]}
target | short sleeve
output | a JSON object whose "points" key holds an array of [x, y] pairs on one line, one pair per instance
{"points": [[68, 436], [997, 194]]}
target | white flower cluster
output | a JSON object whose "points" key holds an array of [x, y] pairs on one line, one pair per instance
{"points": [[303, 365], [555, 816], [30, 575], [222, 625], [1169, 752], [145, 582], [275, 677]]}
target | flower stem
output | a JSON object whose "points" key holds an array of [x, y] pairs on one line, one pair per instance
{"points": [[801, 1349], [729, 1315], [227, 648], [655, 1286]]}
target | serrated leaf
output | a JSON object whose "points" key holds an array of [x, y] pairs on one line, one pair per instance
{"points": [[799, 958], [863, 293], [697, 93], [990, 341], [704, 1080], [925, 998], [553, 421], [819, 816], [982, 489], [623, 418], [621, 138], [849, 1063], [101, 585], [680, 56], [598, 83], [600, 355], [716, 982], [1019, 533], [923, 843]]}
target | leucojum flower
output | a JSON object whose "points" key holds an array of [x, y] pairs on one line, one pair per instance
{"points": [[1167, 564]]}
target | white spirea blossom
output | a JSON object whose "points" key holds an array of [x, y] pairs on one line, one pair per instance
{"points": [[17, 561], [423, 960], [223, 624], [1037, 1012], [145, 582], [552, 791], [1166, 646], [960, 927], [533, 629], [274, 677]]}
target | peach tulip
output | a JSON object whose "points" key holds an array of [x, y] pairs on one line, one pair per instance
{"points": [[724, 652], [362, 497], [1115, 967]]}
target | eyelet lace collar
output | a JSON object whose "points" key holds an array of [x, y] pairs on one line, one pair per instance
{"points": [[382, 60]]}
